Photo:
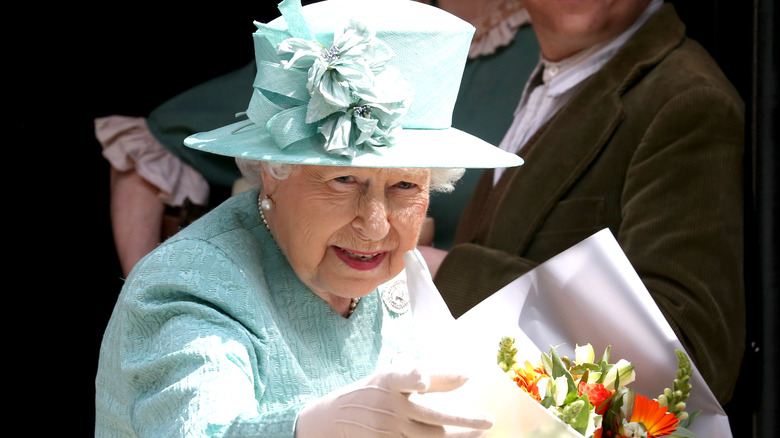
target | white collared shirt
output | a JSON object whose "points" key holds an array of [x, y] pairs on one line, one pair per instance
{"points": [[552, 84]]}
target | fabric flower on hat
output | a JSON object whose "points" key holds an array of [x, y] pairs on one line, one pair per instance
{"points": [[356, 98]]}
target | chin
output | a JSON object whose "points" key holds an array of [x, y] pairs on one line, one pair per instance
{"points": [[349, 290], [360, 286]]}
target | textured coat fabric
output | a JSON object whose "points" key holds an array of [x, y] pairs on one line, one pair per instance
{"points": [[214, 335], [652, 148]]}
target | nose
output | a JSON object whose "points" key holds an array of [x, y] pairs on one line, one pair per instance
{"points": [[372, 219]]}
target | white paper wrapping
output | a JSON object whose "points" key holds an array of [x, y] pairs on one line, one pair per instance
{"points": [[589, 293]]}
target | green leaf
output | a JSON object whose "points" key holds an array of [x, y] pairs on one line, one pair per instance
{"points": [[547, 362], [605, 367], [571, 397], [585, 367], [584, 376], [605, 356], [688, 421], [580, 423], [559, 369], [682, 432]]}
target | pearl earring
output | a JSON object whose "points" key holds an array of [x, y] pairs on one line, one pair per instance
{"points": [[267, 203]]}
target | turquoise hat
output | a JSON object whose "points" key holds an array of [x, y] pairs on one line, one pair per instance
{"points": [[360, 83]]}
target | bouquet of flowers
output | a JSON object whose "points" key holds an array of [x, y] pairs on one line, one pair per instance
{"points": [[593, 397]]}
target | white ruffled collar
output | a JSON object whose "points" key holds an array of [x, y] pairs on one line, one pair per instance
{"points": [[499, 28]]}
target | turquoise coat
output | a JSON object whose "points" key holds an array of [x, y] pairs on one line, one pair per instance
{"points": [[214, 335]]}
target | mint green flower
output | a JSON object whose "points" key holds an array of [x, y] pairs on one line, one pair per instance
{"points": [[356, 98]]}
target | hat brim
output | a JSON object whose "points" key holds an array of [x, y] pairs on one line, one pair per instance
{"points": [[415, 148]]}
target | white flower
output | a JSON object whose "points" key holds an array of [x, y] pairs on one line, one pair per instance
{"points": [[584, 354], [622, 368], [594, 422], [633, 430], [556, 388]]}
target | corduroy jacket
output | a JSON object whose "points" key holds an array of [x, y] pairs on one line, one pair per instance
{"points": [[651, 147]]}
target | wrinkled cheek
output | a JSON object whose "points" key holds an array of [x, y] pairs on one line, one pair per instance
{"points": [[409, 224], [304, 247]]}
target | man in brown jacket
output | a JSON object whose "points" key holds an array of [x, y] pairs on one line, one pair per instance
{"points": [[649, 145]]}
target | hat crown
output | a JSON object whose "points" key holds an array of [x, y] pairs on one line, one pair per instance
{"points": [[430, 47]]}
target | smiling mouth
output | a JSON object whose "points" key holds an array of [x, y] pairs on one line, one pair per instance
{"points": [[361, 261], [363, 257]]}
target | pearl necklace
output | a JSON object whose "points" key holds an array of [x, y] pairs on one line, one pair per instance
{"points": [[353, 304]]}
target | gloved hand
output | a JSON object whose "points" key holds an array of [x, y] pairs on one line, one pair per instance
{"points": [[380, 406]]}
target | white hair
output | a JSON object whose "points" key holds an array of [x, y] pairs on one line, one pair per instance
{"points": [[442, 179]]}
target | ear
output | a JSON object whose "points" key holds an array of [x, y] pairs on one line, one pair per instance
{"points": [[270, 183]]}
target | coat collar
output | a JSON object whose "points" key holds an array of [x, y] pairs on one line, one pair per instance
{"points": [[578, 132]]}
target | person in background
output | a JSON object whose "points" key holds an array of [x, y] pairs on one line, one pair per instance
{"points": [[284, 311], [157, 186], [625, 124]]}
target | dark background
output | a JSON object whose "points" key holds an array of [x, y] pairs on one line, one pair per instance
{"points": [[69, 66]]}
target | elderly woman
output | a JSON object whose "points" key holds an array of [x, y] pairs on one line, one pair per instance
{"points": [[284, 311]]}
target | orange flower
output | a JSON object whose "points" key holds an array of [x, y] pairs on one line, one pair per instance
{"points": [[656, 419], [597, 395], [527, 378]]}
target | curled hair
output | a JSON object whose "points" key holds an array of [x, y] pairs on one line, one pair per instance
{"points": [[442, 180], [252, 170]]}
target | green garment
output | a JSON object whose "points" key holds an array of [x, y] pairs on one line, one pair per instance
{"points": [[214, 335], [207, 106]]}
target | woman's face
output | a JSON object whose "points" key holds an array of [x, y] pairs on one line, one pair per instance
{"points": [[344, 230]]}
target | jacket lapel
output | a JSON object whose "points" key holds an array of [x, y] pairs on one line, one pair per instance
{"points": [[564, 148]]}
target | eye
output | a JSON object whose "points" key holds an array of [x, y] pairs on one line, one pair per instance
{"points": [[344, 179], [405, 185]]}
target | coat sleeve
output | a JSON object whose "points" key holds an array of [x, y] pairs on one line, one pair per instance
{"points": [[471, 269], [682, 227], [185, 361]]}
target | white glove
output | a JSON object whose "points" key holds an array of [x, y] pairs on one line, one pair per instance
{"points": [[380, 406]]}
